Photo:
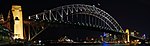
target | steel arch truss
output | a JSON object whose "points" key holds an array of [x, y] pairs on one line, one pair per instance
{"points": [[79, 14]]}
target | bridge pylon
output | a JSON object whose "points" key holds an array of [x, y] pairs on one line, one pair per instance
{"points": [[18, 21], [128, 35]]}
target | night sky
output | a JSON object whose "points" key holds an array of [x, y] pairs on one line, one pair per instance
{"points": [[132, 14]]}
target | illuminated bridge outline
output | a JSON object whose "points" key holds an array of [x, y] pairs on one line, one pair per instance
{"points": [[78, 14]]}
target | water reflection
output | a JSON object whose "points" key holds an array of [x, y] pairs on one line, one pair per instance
{"points": [[105, 44]]}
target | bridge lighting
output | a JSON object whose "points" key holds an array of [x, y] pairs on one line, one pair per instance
{"points": [[93, 25], [98, 4], [82, 23], [144, 36], [110, 34], [29, 17], [99, 26], [107, 28], [86, 24], [40, 41], [93, 5], [37, 16], [79, 23]]}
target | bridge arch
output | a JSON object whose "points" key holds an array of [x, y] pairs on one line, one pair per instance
{"points": [[79, 14]]}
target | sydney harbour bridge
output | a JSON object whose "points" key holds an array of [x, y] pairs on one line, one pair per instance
{"points": [[77, 16], [68, 20]]}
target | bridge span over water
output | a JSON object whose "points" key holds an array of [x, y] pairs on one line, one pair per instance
{"points": [[80, 15]]}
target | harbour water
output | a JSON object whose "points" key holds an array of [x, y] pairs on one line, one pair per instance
{"points": [[76, 44]]}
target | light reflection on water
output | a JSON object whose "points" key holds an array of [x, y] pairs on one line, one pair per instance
{"points": [[94, 44], [103, 44]]}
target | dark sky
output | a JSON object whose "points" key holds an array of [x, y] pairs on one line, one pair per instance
{"points": [[132, 14]]}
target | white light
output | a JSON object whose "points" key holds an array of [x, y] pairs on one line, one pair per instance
{"points": [[29, 17], [40, 41], [99, 4], [68, 40], [93, 5], [137, 40]]}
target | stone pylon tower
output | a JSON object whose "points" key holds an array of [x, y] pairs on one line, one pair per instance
{"points": [[18, 21]]}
